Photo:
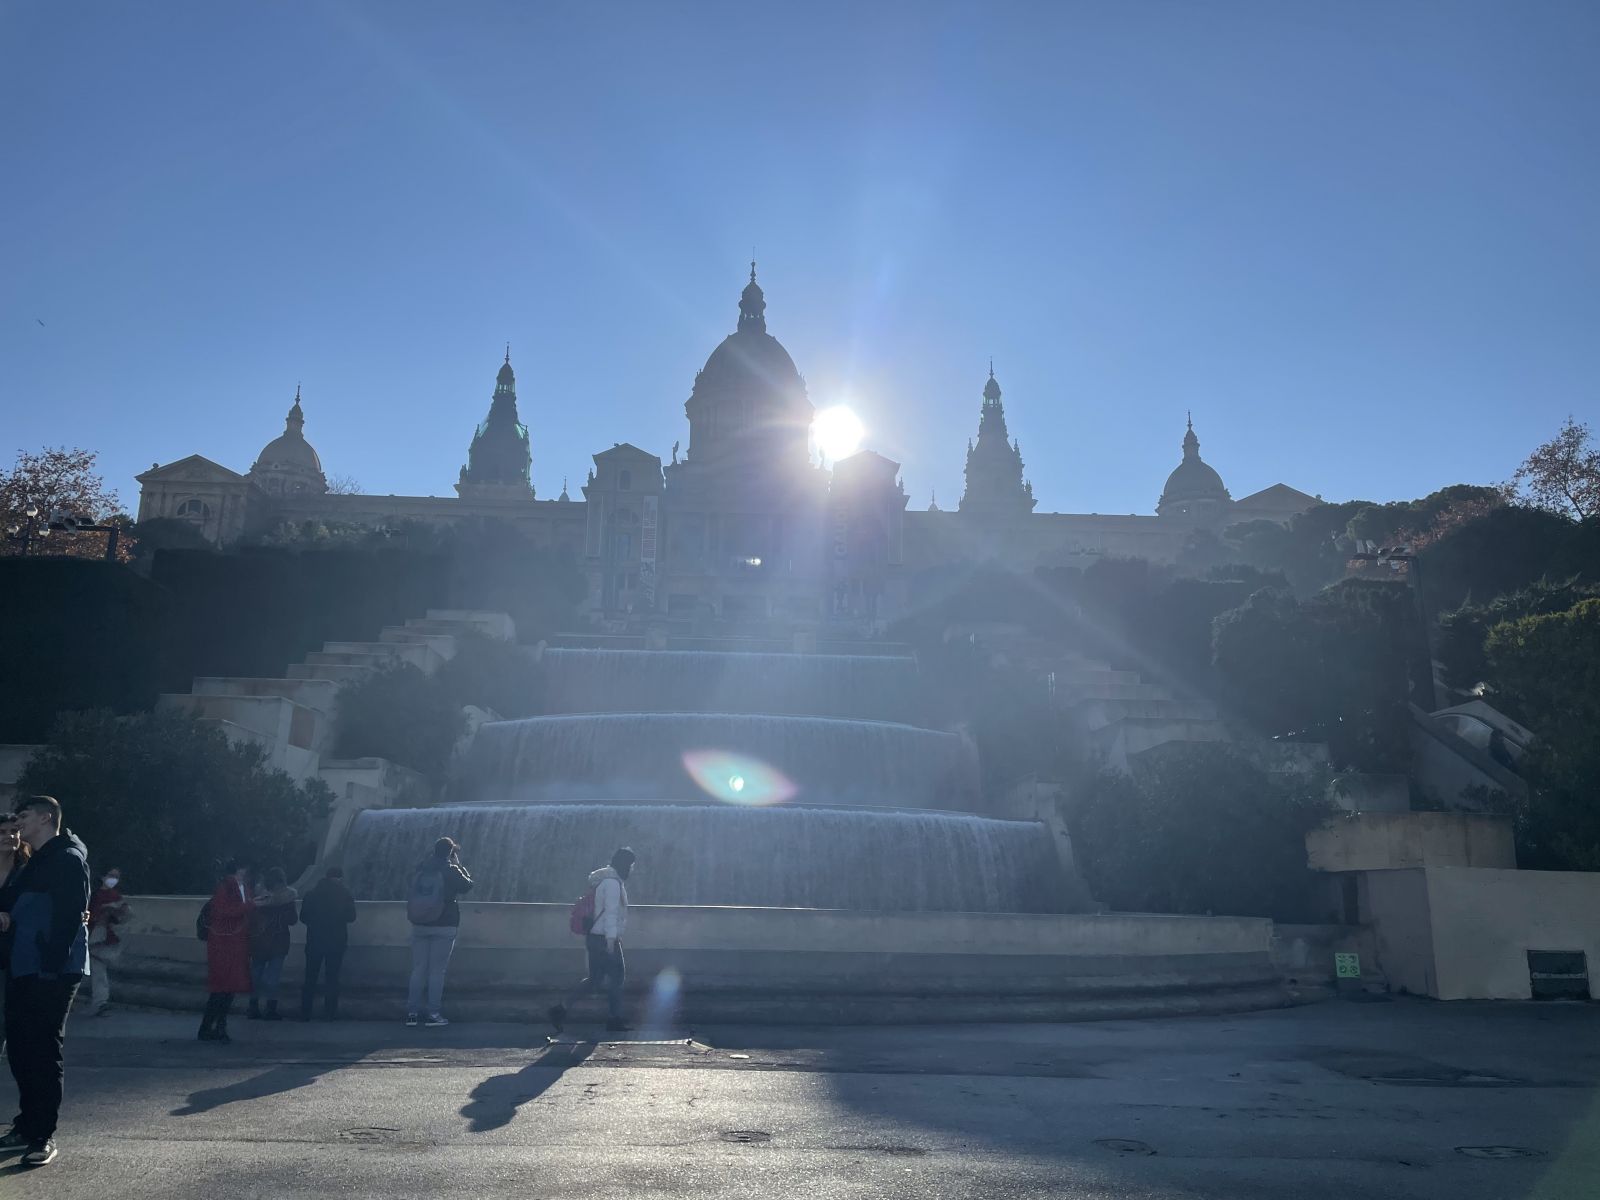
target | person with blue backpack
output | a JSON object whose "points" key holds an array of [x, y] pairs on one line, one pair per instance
{"points": [[435, 920]]}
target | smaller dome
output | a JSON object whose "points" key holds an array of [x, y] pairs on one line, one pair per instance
{"points": [[1194, 482], [288, 463]]}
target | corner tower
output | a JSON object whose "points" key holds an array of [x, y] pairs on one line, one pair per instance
{"points": [[499, 460], [995, 487]]}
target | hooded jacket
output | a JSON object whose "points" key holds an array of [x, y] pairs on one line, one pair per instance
{"points": [[50, 897], [269, 923], [610, 903], [327, 912]]}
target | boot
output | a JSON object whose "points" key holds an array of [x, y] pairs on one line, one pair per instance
{"points": [[221, 1032], [272, 1012], [208, 1022], [254, 1013]]}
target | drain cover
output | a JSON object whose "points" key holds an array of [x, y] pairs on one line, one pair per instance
{"points": [[745, 1136], [1499, 1152], [1125, 1145]]}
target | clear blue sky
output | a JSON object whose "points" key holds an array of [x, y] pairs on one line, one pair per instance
{"points": [[1361, 241]]}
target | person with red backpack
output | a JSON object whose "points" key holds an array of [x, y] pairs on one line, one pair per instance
{"points": [[435, 920], [601, 915]]}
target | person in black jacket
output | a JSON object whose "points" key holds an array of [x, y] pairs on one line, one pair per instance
{"points": [[327, 912], [49, 959]]}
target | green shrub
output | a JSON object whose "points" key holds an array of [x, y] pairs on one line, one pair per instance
{"points": [[167, 798], [1197, 828], [402, 714]]}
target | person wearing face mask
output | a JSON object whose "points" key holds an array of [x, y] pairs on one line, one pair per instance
{"points": [[107, 910]]}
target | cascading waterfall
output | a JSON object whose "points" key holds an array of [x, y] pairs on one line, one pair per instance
{"points": [[826, 794], [640, 756], [866, 687], [708, 854]]}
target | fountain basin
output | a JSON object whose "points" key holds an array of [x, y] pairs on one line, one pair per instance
{"points": [[641, 755]]}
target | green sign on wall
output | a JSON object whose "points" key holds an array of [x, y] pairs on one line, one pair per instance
{"points": [[1347, 966]]}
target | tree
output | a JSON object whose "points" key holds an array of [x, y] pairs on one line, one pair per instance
{"points": [[1460, 645], [1562, 475], [167, 798], [1547, 672], [495, 674], [344, 485], [57, 482], [1337, 668], [1197, 828], [402, 714]]}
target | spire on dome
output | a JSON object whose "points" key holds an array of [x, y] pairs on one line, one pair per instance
{"points": [[1191, 444], [752, 305], [296, 420]]}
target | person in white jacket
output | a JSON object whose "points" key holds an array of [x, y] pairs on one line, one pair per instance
{"points": [[607, 968]]}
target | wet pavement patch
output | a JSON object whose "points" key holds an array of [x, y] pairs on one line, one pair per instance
{"points": [[1499, 1152], [1125, 1146], [745, 1137], [897, 1151], [368, 1133], [1404, 1071]]}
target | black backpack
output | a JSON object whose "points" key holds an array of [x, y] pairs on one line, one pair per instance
{"points": [[202, 923]]}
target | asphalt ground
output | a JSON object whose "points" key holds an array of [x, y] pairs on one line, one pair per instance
{"points": [[1400, 1099]]}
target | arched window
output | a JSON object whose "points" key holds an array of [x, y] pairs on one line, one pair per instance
{"points": [[195, 510]]}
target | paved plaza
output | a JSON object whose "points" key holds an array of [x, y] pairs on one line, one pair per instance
{"points": [[1396, 1099]]}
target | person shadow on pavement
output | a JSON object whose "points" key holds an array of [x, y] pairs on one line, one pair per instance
{"points": [[283, 1078], [495, 1101]]}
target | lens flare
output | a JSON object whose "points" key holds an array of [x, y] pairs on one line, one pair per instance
{"points": [[661, 1007], [738, 779]]}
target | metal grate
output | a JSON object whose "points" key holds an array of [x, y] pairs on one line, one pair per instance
{"points": [[1558, 974]]}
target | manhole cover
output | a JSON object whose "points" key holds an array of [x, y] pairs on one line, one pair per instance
{"points": [[368, 1133], [1125, 1145], [745, 1136], [1499, 1152]]}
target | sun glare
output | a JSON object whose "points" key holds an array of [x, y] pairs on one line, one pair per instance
{"points": [[838, 432]]}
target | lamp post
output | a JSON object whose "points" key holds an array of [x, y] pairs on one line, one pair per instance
{"points": [[31, 529]]}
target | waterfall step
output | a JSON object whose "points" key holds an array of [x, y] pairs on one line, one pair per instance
{"points": [[444, 644], [274, 717], [461, 620]]}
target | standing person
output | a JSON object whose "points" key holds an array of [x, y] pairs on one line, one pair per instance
{"points": [[49, 958], [435, 920], [107, 910], [328, 912], [269, 942], [227, 926], [13, 853], [603, 941]]}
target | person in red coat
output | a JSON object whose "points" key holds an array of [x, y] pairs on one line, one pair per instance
{"points": [[227, 951]]}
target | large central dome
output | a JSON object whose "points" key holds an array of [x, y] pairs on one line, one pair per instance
{"points": [[749, 403]]}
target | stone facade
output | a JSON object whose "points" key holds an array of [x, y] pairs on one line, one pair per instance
{"points": [[745, 528]]}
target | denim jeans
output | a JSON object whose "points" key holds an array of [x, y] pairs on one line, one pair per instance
{"points": [[264, 976], [430, 954], [608, 971]]}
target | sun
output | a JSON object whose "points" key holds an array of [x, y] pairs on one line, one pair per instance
{"points": [[838, 432]]}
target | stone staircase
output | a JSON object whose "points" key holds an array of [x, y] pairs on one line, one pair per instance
{"points": [[292, 718]]}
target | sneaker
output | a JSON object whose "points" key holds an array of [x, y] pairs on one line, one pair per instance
{"points": [[435, 1020], [40, 1154], [14, 1141], [412, 1020], [558, 1016]]}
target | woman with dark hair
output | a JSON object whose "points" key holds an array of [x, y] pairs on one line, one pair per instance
{"points": [[269, 942], [13, 856], [226, 921]]}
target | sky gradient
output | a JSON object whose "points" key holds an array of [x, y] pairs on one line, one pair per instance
{"points": [[1361, 242]]}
